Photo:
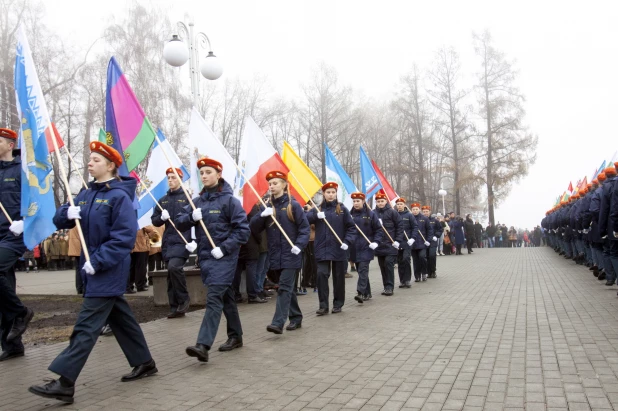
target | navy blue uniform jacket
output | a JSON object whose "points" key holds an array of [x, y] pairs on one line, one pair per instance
{"points": [[10, 187], [394, 226], [109, 224], [172, 245], [326, 246], [227, 224], [410, 227], [369, 224], [426, 229], [279, 250]]}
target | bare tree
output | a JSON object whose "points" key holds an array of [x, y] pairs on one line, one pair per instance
{"points": [[508, 145]]}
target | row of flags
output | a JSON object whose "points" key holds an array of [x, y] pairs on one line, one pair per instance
{"points": [[574, 189], [130, 132]]}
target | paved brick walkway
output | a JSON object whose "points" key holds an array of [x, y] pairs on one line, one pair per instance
{"points": [[501, 329]]}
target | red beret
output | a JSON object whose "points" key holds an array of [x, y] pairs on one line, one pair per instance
{"points": [[401, 200], [357, 196], [171, 171], [276, 174], [616, 164], [417, 205], [106, 151], [209, 162], [330, 184], [425, 207], [602, 176], [610, 171], [595, 182], [583, 191], [589, 186], [380, 196], [8, 133]]}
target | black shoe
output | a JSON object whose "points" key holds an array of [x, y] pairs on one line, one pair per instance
{"points": [[10, 355], [609, 283], [601, 276], [366, 297], [417, 280], [238, 298], [130, 291], [592, 268], [402, 285], [140, 289], [408, 284], [257, 300], [388, 292], [336, 310], [322, 311], [175, 314], [20, 324], [231, 344], [274, 329], [184, 307], [199, 351], [293, 326], [55, 390], [107, 330], [141, 371], [359, 298], [595, 272]]}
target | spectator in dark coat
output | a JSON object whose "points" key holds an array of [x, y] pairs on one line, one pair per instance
{"points": [[469, 229], [478, 234], [458, 232]]}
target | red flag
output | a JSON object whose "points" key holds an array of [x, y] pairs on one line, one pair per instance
{"points": [[388, 189], [50, 143], [570, 187], [584, 183]]}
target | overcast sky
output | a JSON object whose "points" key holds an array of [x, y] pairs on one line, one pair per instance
{"points": [[565, 52]]}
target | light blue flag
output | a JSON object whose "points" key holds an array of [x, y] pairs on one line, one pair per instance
{"points": [[336, 173], [599, 170], [156, 179], [371, 182], [37, 197]]}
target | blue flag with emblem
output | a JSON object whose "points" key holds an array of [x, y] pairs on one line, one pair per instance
{"points": [[37, 197], [371, 182], [336, 173]]}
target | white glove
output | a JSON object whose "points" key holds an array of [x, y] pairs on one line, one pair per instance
{"points": [[295, 250], [427, 243], [321, 215], [73, 213], [396, 245], [410, 242], [615, 234], [197, 214], [165, 215], [344, 246], [373, 246], [604, 237], [17, 227], [216, 252], [381, 223], [585, 231], [268, 211], [191, 246], [88, 268], [434, 238], [579, 231]]}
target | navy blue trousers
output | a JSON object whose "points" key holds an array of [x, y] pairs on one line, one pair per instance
{"points": [[220, 299], [10, 304]]}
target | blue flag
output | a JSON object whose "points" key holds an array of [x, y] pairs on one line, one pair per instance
{"points": [[599, 170], [336, 173], [37, 197], [371, 182]]}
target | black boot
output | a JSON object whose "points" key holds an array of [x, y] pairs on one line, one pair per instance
{"points": [[199, 351], [55, 389], [20, 324], [230, 344]]}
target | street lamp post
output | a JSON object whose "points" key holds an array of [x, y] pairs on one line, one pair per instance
{"points": [[176, 54], [442, 192]]}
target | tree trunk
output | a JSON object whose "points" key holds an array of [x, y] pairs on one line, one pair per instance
{"points": [[490, 188]]}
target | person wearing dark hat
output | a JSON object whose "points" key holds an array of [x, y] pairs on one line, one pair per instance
{"points": [[409, 225], [14, 316], [226, 222], [420, 248], [108, 221], [604, 227], [285, 259], [368, 223], [432, 251], [330, 254], [173, 247], [388, 249]]}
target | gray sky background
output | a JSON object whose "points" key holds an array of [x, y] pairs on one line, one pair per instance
{"points": [[565, 52]]}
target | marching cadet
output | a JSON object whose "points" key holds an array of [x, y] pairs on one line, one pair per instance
{"points": [[367, 241], [604, 229], [228, 227], [174, 249], [409, 226], [436, 228], [292, 220], [14, 315], [108, 221], [331, 256], [388, 249], [420, 248], [595, 236], [612, 225]]}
